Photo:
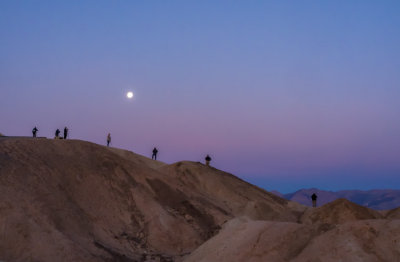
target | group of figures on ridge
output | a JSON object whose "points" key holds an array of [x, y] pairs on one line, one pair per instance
{"points": [[153, 156], [35, 130], [57, 136]]}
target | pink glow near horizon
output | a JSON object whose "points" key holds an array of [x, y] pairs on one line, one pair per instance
{"points": [[270, 90]]}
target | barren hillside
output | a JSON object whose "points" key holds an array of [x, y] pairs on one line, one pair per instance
{"points": [[69, 200], [258, 241], [339, 231]]}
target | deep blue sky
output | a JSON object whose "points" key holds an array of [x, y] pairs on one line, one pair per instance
{"points": [[285, 94]]}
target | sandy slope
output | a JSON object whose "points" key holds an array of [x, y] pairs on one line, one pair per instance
{"points": [[393, 214], [77, 201], [339, 231], [257, 241], [337, 212]]}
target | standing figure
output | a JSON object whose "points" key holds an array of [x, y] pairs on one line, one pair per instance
{"points": [[314, 200], [208, 159], [108, 139], [154, 156], [65, 132], [57, 133], [34, 131]]}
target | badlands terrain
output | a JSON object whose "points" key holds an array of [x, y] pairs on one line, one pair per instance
{"points": [[71, 200]]}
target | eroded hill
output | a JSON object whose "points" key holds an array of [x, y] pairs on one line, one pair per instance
{"points": [[70, 200]]}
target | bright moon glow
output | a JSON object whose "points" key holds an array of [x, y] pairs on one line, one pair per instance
{"points": [[129, 95]]}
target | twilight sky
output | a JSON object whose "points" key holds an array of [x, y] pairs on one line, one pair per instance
{"points": [[284, 94]]}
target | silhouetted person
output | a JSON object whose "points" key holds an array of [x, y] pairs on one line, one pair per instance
{"points": [[57, 133], [108, 139], [34, 131], [154, 156], [208, 159], [65, 132], [314, 200]]}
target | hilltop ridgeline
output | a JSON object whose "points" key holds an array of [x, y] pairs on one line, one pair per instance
{"points": [[379, 199], [85, 202]]}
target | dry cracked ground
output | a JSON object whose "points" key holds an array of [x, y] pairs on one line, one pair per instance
{"points": [[70, 200]]}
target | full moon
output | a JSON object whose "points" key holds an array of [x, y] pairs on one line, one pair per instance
{"points": [[129, 94]]}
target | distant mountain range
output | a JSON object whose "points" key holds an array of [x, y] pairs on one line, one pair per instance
{"points": [[379, 199]]}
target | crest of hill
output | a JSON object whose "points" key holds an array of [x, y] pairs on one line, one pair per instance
{"points": [[78, 201], [339, 211], [303, 196], [378, 199], [394, 213]]}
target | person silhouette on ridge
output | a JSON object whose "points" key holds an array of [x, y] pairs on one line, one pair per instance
{"points": [[108, 139], [314, 200], [57, 133], [34, 131], [65, 132], [208, 159], [154, 155]]}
